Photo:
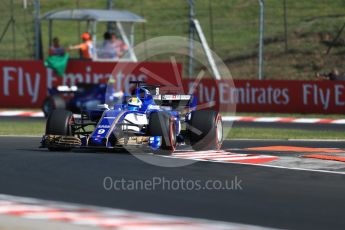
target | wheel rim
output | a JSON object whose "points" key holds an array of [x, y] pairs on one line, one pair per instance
{"points": [[219, 130], [172, 133], [71, 121]]}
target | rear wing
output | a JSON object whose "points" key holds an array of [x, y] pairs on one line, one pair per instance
{"points": [[79, 88], [175, 101], [66, 89]]}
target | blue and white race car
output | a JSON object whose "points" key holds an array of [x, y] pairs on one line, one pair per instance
{"points": [[145, 119]]}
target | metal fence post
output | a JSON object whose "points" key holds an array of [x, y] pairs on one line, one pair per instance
{"points": [[285, 27], [109, 7], [191, 38], [37, 29], [143, 28], [261, 39], [211, 22], [14, 48]]}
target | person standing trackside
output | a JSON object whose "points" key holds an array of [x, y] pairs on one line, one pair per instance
{"points": [[86, 47], [119, 46], [56, 49]]}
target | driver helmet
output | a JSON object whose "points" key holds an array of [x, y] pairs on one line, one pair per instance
{"points": [[134, 103]]}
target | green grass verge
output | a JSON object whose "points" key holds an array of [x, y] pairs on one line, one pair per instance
{"points": [[22, 128], [36, 128], [294, 115], [281, 134]]}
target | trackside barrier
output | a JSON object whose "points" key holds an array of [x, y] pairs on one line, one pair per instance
{"points": [[24, 84]]}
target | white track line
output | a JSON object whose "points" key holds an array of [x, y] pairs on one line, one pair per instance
{"points": [[231, 118], [306, 120], [284, 120], [38, 114], [267, 119], [340, 121], [222, 155], [278, 167], [92, 216], [10, 113]]}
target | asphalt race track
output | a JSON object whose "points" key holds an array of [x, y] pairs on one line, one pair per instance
{"points": [[270, 197]]}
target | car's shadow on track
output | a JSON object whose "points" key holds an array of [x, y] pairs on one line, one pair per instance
{"points": [[96, 151], [73, 151]]}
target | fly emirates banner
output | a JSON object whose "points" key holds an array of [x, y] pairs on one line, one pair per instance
{"points": [[25, 84]]}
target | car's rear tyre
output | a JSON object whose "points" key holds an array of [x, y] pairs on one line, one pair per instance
{"points": [[205, 130], [52, 103], [162, 124], [59, 122]]}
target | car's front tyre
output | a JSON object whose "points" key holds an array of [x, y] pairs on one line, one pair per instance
{"points": [[59, 123]]}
